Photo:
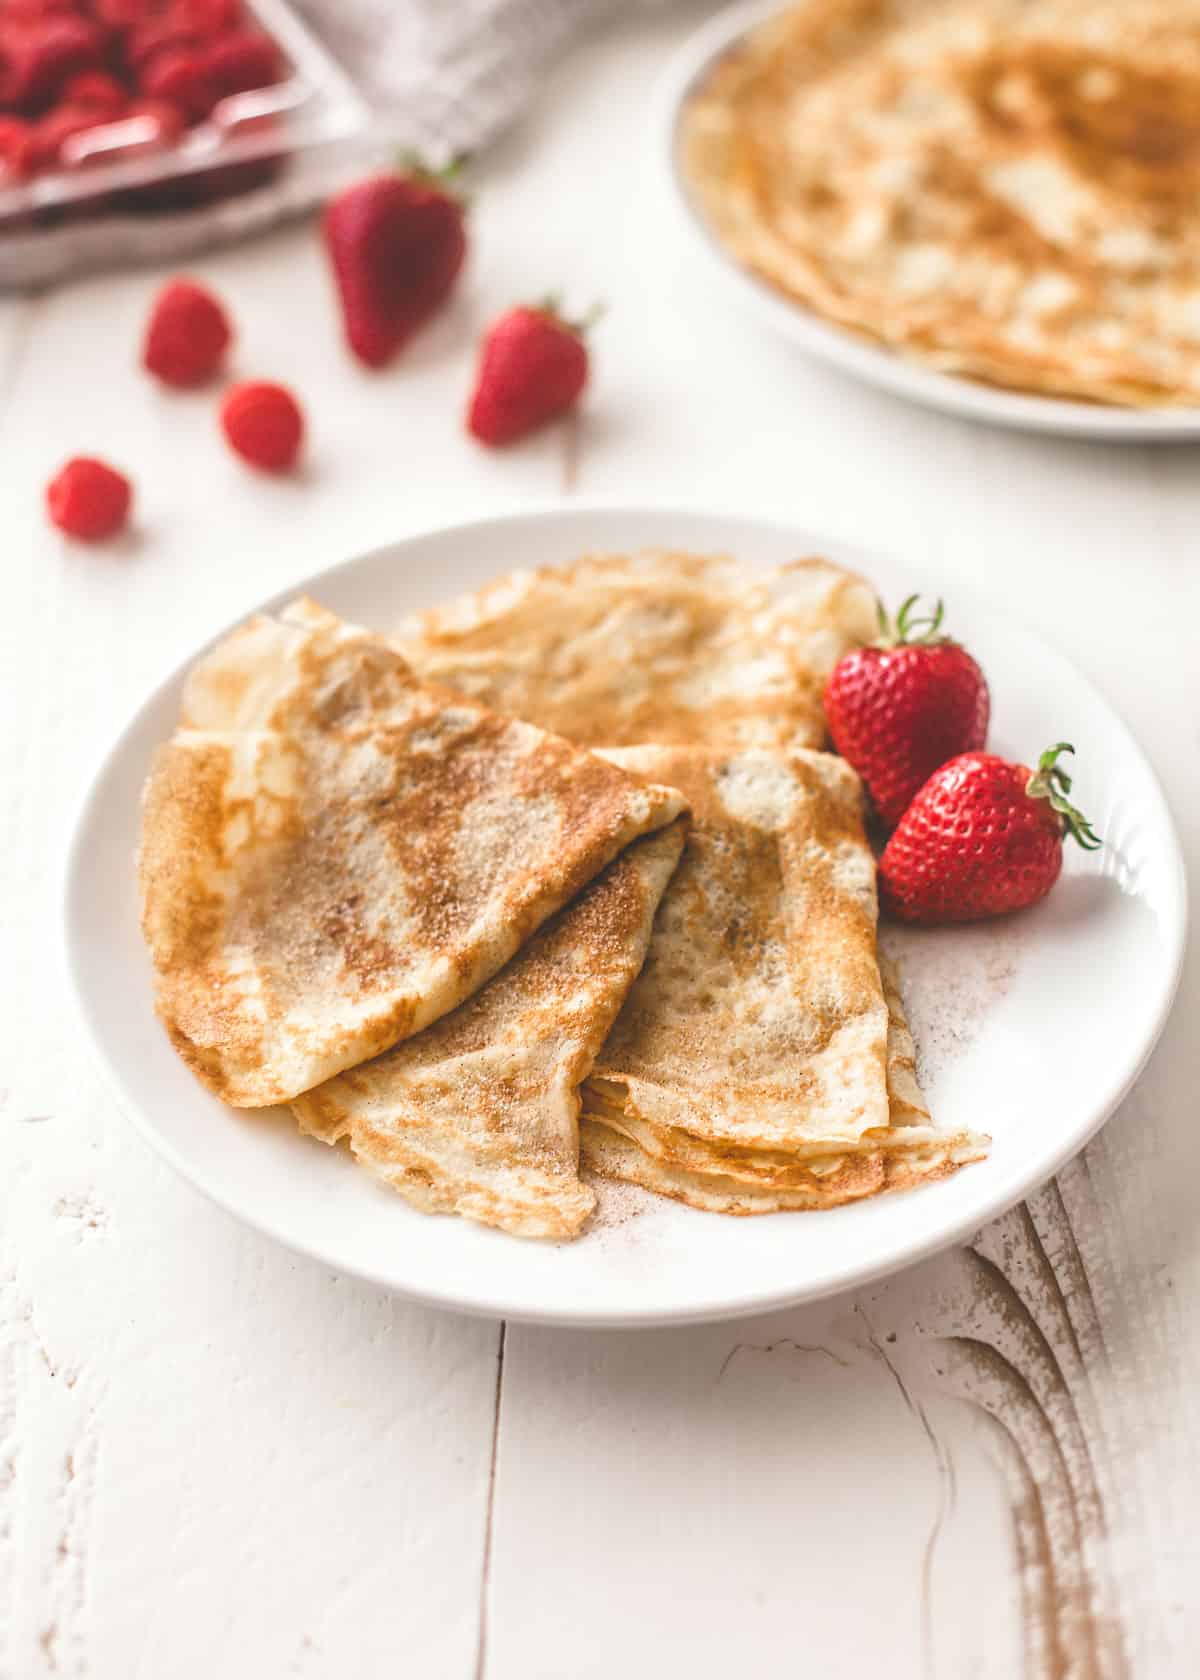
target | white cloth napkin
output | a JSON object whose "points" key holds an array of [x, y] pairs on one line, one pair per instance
{"points": [[450, 74]]}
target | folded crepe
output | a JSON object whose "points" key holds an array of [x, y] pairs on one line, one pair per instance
{"points": [[478, 1114], [762, 1058], [333, 856], [617, 650]]}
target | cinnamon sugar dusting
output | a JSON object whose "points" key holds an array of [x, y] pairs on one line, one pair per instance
{"points": [[313, 894]]}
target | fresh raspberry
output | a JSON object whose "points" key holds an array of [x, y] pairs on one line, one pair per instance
{"points": [[123, 14], [89, 499], [153, 36], [18, 150], [33, 11], [41, 55], [264, 425], [187, 335], [243, 61], [98, 91], [181, 75], [208, 18]]}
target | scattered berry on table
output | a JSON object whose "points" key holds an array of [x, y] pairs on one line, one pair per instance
{"points": [[89, 499], [396, 244], [187, 334], [533, 366], [264, 424]]}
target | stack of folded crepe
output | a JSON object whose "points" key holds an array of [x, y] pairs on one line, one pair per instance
{"points": [[385, 880]]}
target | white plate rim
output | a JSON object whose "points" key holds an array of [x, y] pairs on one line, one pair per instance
{"points": [[825, 341], [1004, 1195]]}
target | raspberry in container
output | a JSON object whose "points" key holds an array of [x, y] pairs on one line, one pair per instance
{"points": [[136, 130]]}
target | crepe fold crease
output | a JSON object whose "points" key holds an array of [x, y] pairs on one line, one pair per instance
{"points": [[762, 1060], [478, 1114], [333, 856]]}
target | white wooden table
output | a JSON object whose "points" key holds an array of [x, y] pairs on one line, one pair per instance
{"points": [[216, 1458]]}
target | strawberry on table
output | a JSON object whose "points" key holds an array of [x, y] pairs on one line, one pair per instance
{"points": [[900, 708], [982, 837], [396, 244], [533, 367]]}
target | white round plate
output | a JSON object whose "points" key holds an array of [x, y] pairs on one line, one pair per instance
{"points": [[1031, 1029], [827, 342]]}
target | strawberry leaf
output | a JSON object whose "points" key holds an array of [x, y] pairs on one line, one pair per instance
{"points": [[1052, 783]]}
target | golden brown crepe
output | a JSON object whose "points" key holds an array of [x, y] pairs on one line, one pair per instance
{"points": [[478, 1114], [615, 650], [610, 1154], [1008, 189], [761, 1046], [340, 856]]}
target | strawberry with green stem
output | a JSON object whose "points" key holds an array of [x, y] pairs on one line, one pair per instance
{"points": [[982, 837], [903, 706], [396, 243], [533, 367]]}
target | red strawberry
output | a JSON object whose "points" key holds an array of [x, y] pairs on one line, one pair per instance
{"points": [[187, 335], [533, 367], [264, 425], [982, 837], [89, 499], [899, 709], [396, 243]]}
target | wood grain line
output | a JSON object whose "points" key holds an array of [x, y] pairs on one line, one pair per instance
{"points": [[485, 1573], [21, 337], [946, 1484], [771, 1347]]}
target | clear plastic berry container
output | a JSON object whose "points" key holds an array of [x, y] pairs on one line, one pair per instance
{"points": [[138, 188]]}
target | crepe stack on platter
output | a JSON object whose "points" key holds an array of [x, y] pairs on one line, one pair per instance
{"points": [[380, 884], [762, 1060], [334, 856], [1008, 189]]}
